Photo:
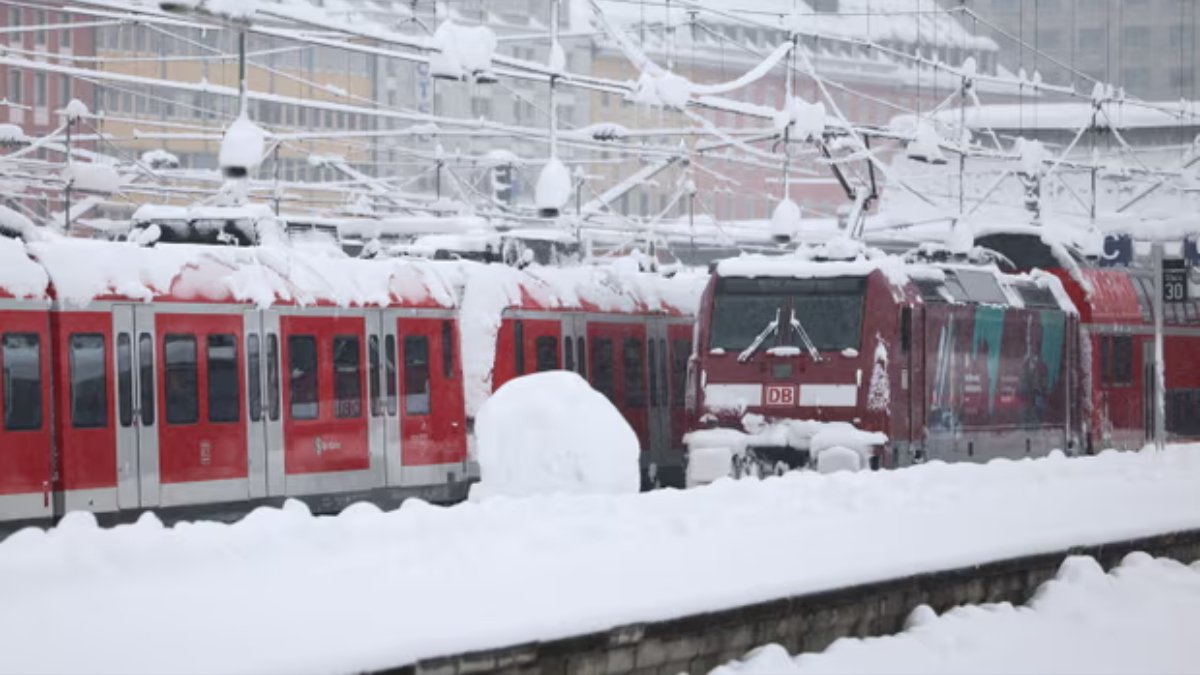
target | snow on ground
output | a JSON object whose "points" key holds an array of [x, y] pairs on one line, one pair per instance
{"points": [[282, 591], [1141, 617], [550, 432]]}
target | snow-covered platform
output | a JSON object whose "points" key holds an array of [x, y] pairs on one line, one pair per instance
{"points": [[283, 591]]}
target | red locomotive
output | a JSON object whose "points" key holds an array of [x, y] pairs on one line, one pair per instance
{"points": [[949, 361], [200, 380]]}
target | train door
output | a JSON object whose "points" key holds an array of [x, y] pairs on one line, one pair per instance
{"points": [[388, 393], [137, 403], [432, 415], [574, 344], [659, 403], [264, 426], [1149, 386]]}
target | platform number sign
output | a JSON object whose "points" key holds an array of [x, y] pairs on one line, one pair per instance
{"points": [[781, 394], [1175, 281]]}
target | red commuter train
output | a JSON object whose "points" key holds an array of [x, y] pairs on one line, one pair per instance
{"points": [[201, 381]]}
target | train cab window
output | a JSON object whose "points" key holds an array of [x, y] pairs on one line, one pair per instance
{"points": [[416, 375], [448, 350], [179, 359], [930, 290], [146, 377], [347, 376], [568, 354], [635, 377], [546, 350], [89, 391], [303, 392], [22, 362], [653, 376], [373, 376], [389, 373], [681, 351], [124, 380], [273, 377], [254, 377], [224, 401], [581, 356], [519, 346], [981, 287], [602, 367]]}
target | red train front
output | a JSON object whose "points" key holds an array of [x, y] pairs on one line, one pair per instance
{"points": [[952, 362]]}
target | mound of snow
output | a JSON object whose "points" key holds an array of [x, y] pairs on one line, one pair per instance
{"points": [[242, 148], [462, 51], [552, 433], [553, 186], [838, 458], [89, 177]]}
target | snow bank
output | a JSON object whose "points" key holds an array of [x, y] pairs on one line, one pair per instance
{"points": [[717, 446], [424, 581], [1138, 618], [549, 433]]}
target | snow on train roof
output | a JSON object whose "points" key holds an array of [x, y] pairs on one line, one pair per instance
{"points": [[20, 277], [83, 270]]}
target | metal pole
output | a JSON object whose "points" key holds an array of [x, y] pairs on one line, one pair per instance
{"points": [[275, 165], [242, 73], [1160, 405]]}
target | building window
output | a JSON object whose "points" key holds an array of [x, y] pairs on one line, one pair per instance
{"points": [[64, 38], [14, 85], [89, 390], [22, 396], [39, 89], [1137, 37]]}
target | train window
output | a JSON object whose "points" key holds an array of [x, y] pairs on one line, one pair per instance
{"points": [[89, 391], [905, 329], [124, 380], [224, 400], [635, 377], [581, 358], [519, 346], [179, 359], [254, 377], [146, 377], [681, 351], [347, 376], [546, 350], [568, 354], [930, 290], [982, 287], [1122, 360], [602, 367], [303, 392], [373, 376], [272, 377], [416, 375], [22, 359], [1036, 297], [448, 350], [389, 373], [653, 374], [662, 372]]}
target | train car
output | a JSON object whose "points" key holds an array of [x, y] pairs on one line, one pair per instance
{"points": [[1116, 308], [950, 362], [629, 335], [200, 380]]}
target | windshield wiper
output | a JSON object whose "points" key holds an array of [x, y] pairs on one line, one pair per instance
{"points": [[808, 343], [766, 332]]}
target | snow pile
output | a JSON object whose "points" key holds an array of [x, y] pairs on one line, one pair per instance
{"points": [[1138, 618], [242, 148], [160, 159], [553, 189], [12, 134], [806, 119], [76, 110], [785, 221], [551, 566], [662, 88], [925, 145], [550, 433], [716, 448], [462, 51], [20, 277], [88, 177]]}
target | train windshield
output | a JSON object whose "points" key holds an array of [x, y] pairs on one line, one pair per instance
{"points": [[830, 311]]}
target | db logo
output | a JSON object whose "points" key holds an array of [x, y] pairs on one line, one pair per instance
{"points": [[781, 394]]}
